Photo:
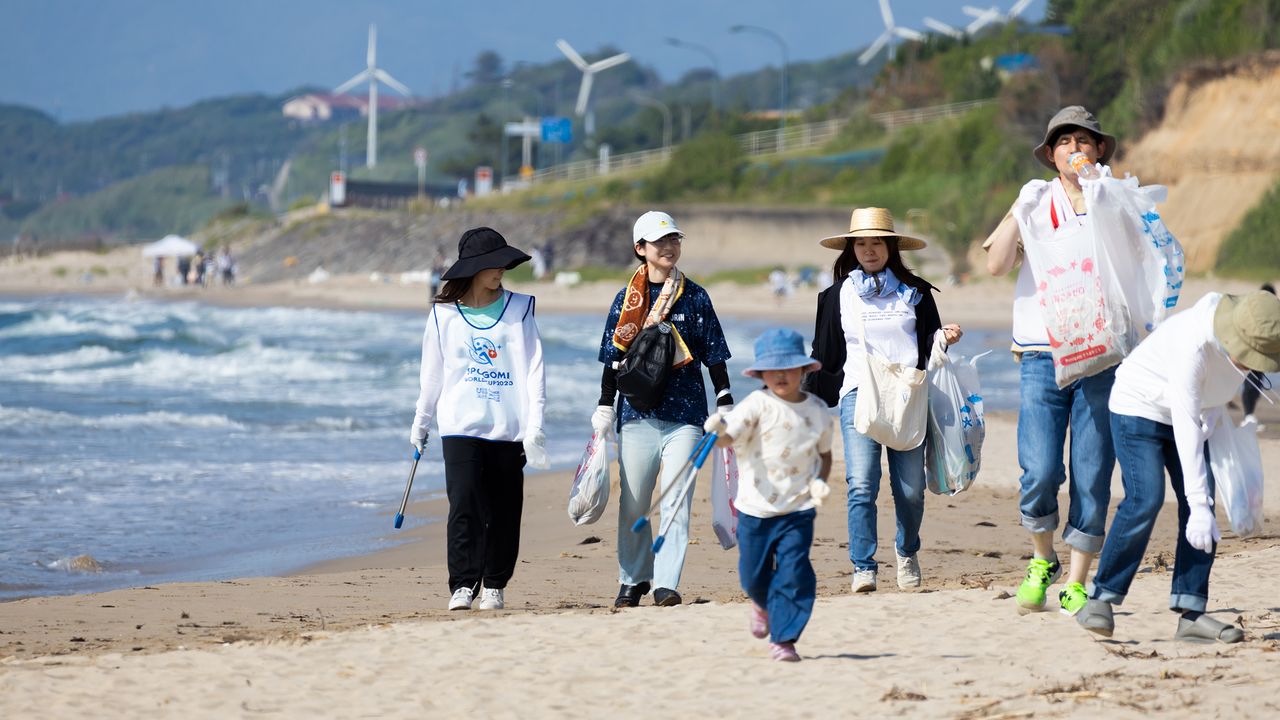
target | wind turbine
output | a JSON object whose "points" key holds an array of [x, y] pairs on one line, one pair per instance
{"points": [[373, 74], [993, 14], [589, 71], [941, 27], [890, 30]]}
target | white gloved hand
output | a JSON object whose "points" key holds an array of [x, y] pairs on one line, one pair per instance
{"points": [[535, 449], [1210, 418], [818, 490], [714, 424], [418, 437], [1202, 528], [602, 420]]}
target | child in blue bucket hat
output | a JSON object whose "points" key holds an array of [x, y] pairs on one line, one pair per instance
{"points": [[782, 436]]}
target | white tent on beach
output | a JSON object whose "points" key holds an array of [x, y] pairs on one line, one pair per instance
{"points": [[170, 246]]}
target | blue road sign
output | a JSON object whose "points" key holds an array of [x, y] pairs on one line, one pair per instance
{"points": [[557, 130]]}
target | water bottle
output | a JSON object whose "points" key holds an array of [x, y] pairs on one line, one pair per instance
{"points": [[1085, 170]]}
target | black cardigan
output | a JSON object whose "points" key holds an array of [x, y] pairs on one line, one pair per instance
{"points": [[829, 346]]}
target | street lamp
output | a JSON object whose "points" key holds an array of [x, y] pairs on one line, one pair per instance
{"points": [[666, 115], [782, 125], [715, 64]]}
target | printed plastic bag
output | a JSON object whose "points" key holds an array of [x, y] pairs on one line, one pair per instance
{"points": [[724, 488], [590, 491], [1236, 462], [957, 428]]}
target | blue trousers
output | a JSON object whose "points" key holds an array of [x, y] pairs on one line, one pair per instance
{"points": [[773, 563]]}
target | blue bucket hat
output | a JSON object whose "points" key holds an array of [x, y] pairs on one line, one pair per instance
{"points": [[780, 349]]}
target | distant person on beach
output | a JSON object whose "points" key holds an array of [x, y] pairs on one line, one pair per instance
{"points": [[484, 384], [876, 305], [1047, 411], [1253, 385], [661, 436], [782, 436], [226, 266], [1169, 396], [780, 284], [158, 267]]}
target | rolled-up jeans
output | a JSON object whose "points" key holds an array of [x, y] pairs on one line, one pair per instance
{"points": [[646, 447], [1045, 414], [1146, 449], [863, 473]]}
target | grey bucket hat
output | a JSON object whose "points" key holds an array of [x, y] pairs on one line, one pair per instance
{"points": [[1248, 326], [1073, 116]]}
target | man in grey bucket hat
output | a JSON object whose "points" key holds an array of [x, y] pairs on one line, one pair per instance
{"points": [[1048, 412]]}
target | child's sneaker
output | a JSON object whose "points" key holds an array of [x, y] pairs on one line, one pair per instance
{"points": [[864, 581], [462, 598], [784, 652], [491, 599], [908, 572], [1072, 599], [759, 621], [1040, 575]]}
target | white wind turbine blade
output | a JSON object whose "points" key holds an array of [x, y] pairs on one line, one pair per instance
{"points": [[909, 34], [607, 63], [1018, 7], [584, 93], [945, 29], [360, 77], [983, 18], [887, 14], [870, 52], [391, 82], [572, 54], [371, 55]]}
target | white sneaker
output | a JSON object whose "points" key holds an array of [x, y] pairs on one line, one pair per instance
{"points": [[491, 599], [864, 581], [462, 598], [908, 572]]}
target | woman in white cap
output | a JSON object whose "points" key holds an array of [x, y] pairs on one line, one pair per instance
{"points": [[484, 383], [875, 295], [658, 423], [1168, 397]]}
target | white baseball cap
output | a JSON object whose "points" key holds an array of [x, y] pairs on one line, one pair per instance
{"points": [[653, 225]]}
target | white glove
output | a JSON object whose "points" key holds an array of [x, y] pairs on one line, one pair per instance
{"points": [[714, 424], [818, 491], [535, 449], [602, 420], [1202, 528], [418, 437]]}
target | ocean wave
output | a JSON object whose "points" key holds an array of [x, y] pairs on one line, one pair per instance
{"points": [[87, 355], [36, 419], [60, 325]]}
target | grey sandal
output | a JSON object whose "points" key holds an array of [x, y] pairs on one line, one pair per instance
{"points": [[1205, 629], [1097, 618]]}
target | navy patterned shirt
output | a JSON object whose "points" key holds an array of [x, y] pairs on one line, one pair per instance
{"points": [[695, 319]]}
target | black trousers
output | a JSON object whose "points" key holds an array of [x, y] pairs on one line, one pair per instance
{"points": [[484, 480]]}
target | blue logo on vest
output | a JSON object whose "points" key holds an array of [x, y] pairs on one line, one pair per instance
{"points": [[483, 350]]}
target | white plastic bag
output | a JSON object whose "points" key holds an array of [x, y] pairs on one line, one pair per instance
{"points": [[1236, 462], [590, 491], [724, 488], [957, 428]]}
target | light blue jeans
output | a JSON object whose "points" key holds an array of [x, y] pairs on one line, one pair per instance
{"points": [[644, 446], [862, 473]]}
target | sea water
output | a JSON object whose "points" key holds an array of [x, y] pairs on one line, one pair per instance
{"points": [[145, 442]]}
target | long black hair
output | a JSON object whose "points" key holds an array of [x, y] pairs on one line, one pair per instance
{"points": [[848, 262], [453, 290]]}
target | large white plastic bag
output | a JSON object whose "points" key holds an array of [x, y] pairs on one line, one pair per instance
{"points": [[957, 425], [724, 488], [590, 491], [1236, 462]]}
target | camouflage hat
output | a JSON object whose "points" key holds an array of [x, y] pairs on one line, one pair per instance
{"points": [[1073, 116]]}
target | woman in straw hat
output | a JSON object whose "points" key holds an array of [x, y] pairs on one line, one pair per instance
{"points": [[876, 295], [1169, 396], [483, 381]]}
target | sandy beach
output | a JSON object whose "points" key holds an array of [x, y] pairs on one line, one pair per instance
{"points": [[368, 635]]}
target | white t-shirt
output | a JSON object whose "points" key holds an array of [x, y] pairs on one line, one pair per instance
{"points": [[890, 329], [778, 445]]}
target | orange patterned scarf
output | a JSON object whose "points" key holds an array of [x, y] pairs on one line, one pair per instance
{"points": [[636, 313]]}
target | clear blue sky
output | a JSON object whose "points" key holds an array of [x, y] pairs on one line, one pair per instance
{"points": [[82, 59]]}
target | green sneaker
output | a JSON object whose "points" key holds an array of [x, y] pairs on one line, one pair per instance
{"points": [[1073, 598], [1040, 575]]}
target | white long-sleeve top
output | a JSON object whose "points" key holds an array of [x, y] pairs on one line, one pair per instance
{"points": [[483, 382], [1180, 376]]}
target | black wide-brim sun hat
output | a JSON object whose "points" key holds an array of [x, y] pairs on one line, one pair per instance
{"points": [[483, 248]]}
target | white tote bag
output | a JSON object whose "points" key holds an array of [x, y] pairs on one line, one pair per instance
{"points": [[893, 401]]}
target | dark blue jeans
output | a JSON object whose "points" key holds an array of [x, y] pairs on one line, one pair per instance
{"points": [[773, 564], [1043, 418], [1145, 449]]}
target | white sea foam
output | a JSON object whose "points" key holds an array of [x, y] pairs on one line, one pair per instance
{"points": [[88, 355], [35, 419], [58, 324]]}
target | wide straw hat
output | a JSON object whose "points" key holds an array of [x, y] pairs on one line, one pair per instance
{"points": [[872, 222], [1248, 326], [780, 349], [483, 248], [1068, 117]]}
